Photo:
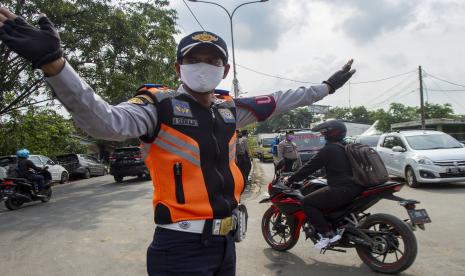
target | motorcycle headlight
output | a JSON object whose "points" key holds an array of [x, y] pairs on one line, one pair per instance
{"points": [[425, 161]]}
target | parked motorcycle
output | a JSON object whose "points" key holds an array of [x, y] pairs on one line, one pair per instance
{"points": [[384, 242], [17, 191]]}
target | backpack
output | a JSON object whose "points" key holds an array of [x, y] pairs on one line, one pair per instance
{"points": [[367, 166]]}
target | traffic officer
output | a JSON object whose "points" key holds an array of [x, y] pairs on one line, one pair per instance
{"points": [[188, 137], [287, 151]]}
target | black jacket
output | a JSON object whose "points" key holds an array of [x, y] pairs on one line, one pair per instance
{"points": [[334, 159], [25, 166]]}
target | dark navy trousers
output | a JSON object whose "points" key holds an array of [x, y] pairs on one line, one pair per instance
{"points": [[181, 253]]}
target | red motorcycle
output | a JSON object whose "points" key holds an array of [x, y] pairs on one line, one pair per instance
{"points": [[385, 243]]}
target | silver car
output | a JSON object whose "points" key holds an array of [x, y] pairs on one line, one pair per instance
{"points": [[423, 156]]}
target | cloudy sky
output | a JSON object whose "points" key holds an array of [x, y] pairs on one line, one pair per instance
{"points": [[307, 40]]}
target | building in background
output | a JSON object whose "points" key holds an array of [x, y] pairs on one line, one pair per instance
{"points": [[453, 127]]}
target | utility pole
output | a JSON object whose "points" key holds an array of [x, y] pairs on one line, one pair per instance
{"points": [[350, 106], [422, 104]]}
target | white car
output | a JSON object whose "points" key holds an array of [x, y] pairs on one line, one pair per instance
{"points": [[58, 172], [423, 156]]}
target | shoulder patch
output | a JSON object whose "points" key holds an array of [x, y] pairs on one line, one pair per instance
{"points": [[261, 106]]}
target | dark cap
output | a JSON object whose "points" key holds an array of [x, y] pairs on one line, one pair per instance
{"points": [[201, 38]]}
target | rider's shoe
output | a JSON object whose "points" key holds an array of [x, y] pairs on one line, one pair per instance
{"points": [[335, 238], [325, 241], [322, 243]]}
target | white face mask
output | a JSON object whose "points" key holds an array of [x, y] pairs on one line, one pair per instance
{"points": [[201, 77]]}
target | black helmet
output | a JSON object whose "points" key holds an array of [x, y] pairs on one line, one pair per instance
{"points": [[333, 130]]}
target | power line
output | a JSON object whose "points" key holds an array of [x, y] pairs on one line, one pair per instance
{"points": [[387, 91], [311, 82], [383, 79], [274, 76], [395, 96], [447, 90], [453, 83], [195, 17], [444, 93]]}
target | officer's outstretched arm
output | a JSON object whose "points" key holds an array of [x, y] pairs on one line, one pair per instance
{"points": [[42, 48], [260, 108], [95, 116]]}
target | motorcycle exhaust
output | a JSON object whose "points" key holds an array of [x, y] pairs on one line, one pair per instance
{"points": [[21, 196]]}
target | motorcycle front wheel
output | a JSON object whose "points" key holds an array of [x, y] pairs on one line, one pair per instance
{"points": [[13, 204], [394, 248], [278, 231]]}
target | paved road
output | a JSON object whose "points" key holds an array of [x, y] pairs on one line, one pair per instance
{"points": [[90, 227], [98, 227]]}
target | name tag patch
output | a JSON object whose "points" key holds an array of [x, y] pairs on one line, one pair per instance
{"points": [[181, 108], [227, 115], [185, 122]]}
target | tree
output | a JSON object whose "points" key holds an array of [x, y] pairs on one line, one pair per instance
{"points": [[41, 131], [115, 47], [297, 118], [357, 114], [439, 111], [397, 113]]}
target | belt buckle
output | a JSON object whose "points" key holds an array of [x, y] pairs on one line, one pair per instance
{"points": [[222, 227], [226, 226]]}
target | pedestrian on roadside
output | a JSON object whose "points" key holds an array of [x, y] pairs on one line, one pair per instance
{"points": [[287, 151], [187, 135], [243, 156]]}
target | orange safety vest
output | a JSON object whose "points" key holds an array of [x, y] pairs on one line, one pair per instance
{"points": [[191, 157]]}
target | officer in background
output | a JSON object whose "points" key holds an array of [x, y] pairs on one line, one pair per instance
{"points": [[188, 137], [243, 155], [287, 150]]}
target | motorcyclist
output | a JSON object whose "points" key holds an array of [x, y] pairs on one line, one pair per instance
{"points": [[341, 189], [28, 170]]}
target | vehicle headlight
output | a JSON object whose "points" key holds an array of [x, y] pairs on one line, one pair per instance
{"points": [[424, 161]]}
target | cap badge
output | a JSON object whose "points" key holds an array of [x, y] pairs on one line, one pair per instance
{"points": [[204, 37]]}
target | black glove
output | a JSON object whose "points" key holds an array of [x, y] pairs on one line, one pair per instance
{"points": [[39, 46], [338, 79]]}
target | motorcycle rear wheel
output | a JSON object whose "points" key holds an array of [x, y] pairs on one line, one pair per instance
{"points": [[399, 245], [48, 194], [13, 204], [277, 231]]}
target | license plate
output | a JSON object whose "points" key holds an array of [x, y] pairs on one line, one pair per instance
{"points": [[7, 191], [419, 216]]}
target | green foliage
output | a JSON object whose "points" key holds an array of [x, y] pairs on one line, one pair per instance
{"points": [[397, 113], [253, 145], [114, 46], [41, 131], [357, 114], [439, 111], [297, 118]]}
